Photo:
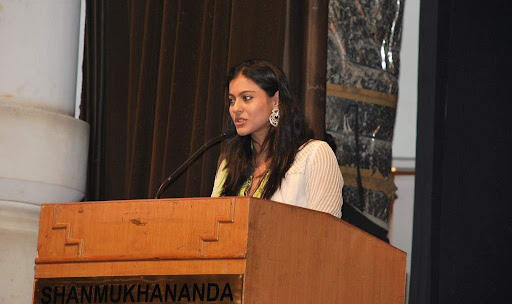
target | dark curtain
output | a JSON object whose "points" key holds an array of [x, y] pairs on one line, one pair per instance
{"points": [[462, 238], [153, 88]]}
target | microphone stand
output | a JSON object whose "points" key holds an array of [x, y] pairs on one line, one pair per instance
{"points": [[187, 163]]}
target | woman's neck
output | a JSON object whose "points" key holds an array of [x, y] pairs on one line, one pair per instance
{"points": [[260, 156]]}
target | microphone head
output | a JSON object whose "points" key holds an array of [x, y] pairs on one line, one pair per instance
{"points": [[229, 133]]}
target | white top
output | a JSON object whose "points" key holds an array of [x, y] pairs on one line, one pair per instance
{"points": [[313, 181]]}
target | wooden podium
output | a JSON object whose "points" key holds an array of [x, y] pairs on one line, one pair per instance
{"points": [[209, 250]]}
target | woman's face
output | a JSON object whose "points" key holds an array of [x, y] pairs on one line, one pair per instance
{"points": [[250, 108]]}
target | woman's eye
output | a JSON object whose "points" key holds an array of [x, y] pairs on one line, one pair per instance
{"points": [[231, 100], [247, 98]]}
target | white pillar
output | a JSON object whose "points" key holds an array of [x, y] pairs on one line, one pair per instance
{"points": [[43, 148]]}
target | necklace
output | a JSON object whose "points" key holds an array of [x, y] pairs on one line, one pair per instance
{"points": [[260, 173], [249, 190]]}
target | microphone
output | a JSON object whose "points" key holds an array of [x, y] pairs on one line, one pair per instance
{"points": [[177, 172]]}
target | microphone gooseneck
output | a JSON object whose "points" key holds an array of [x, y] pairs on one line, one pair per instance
{"points": [[177, 172]]}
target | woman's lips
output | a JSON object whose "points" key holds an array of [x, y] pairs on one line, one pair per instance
{"points": [[239, 122]]}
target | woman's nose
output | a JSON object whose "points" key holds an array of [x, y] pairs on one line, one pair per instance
{"points": [[236, 107]]}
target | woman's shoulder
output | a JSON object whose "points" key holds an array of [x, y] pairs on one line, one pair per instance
{"points": [[314, 145], [307, 152]]}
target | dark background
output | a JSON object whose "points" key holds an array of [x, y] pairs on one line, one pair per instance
{"points": [[463, 208], [153, 79]]}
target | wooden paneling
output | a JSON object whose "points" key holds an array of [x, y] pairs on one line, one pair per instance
{"points": [[126, 268], [286, 254], [142, 230], [297, 255]]}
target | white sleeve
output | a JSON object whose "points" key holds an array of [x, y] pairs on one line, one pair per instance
{"points": [[324, 182]]}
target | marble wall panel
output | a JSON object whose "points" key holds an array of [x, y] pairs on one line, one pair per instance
{"points": [[364, 43], [374, 204], [351, 74], [375, 121], [374, 154], [364, 53]]}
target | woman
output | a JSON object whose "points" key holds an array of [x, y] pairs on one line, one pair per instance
{"points": [[274, 156]]}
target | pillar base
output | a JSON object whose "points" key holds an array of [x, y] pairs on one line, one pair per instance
{"points": [[43, 156]]}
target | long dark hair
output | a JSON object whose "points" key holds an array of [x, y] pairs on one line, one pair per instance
{"points": [[281, 143]]}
